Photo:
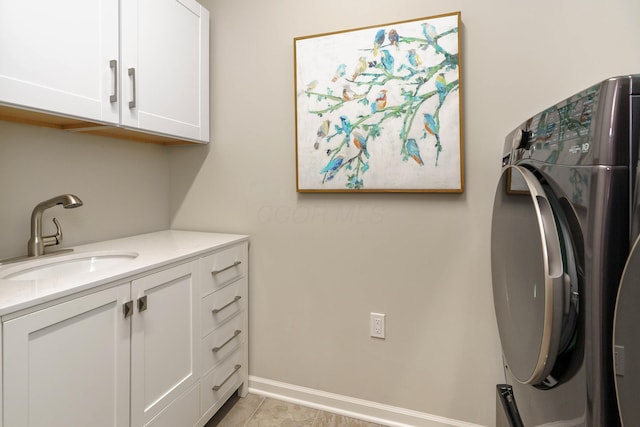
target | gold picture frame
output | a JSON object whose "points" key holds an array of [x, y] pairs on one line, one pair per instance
{"points": [[378, 109]]}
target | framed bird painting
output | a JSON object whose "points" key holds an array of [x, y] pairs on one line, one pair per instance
{"points": [[378, 109]]}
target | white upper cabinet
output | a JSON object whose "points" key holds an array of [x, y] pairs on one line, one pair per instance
{"points": [[131, 69], [56, 55], [165, 68]]}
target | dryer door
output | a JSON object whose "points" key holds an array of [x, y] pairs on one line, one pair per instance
{"points": [[626, 340], [530, 288]]}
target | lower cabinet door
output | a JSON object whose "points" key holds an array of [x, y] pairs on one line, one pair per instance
{"points": [[164, 335], [68, 364]]}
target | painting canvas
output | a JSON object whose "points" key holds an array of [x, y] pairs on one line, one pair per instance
{"points": [[379, 108]]}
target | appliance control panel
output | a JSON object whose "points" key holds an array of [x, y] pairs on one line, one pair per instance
{"points": [[561, 134]]}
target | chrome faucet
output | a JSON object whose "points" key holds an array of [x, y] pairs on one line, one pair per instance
{"points": [[37, 242]]}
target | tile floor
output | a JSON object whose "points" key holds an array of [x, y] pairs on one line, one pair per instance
{"points": [[258, 411]]}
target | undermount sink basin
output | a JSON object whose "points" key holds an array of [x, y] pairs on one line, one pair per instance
{"points": [[57, 266]]}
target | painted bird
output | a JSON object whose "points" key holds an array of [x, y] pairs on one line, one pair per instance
{"points": [[394, 38], [430, 125], [451, 61], [348, 94], [311, 86], [430, 34], [387, 61], [340, 71], [346, 126], [441, 87], [413, 151], [414, 58], [361, 66], [377, 41], [361, 143], [433, 127], [380, 102], [323, 130], [322, 133], [332, 168]]}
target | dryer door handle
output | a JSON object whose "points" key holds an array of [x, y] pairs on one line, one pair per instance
{"points": [[546, 222], [528, 275], [549, 231]]}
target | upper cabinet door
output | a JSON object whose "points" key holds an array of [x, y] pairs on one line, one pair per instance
{"points": [[60, 57], [165, 67]]}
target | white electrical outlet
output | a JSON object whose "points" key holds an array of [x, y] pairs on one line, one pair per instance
{"points": [[377, 325]]}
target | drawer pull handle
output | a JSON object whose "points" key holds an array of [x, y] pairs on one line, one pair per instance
{"points": [[235, 264], [235, 334], [218, 386], [113, 64], [218, 310]]}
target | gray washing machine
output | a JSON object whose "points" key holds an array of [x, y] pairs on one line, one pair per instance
{"points": [[562, 228]]}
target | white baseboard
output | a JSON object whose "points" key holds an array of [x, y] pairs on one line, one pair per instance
{"points": [[373, 412]]}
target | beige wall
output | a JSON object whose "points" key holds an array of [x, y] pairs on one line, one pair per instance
{"points": [[322, 262], [124, 185]]}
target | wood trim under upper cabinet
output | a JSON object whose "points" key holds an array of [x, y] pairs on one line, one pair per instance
{"points": [[37, 118]]}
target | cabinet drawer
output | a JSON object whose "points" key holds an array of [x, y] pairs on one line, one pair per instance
{"points": [[223, 267], [223, 341], [223, 379], [221, 305]]}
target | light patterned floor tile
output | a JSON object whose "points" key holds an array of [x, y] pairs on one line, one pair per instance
{"points": [[257, 411], [326, 419], [273, 413], [236, 412]]}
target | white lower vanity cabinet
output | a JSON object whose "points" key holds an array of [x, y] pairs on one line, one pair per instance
{"points": [[132, 354]]}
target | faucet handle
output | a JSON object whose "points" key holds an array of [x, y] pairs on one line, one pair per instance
{"points": [[58, 235], [54, 239]]}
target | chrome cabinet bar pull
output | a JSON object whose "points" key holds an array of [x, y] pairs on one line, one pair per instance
{"points": [[113, 64], [235, 334], [219, 309], [235, 264], [132, 74], [218, 386]]}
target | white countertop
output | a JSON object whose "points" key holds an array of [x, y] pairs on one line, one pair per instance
{"points": [[154, 250]]}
